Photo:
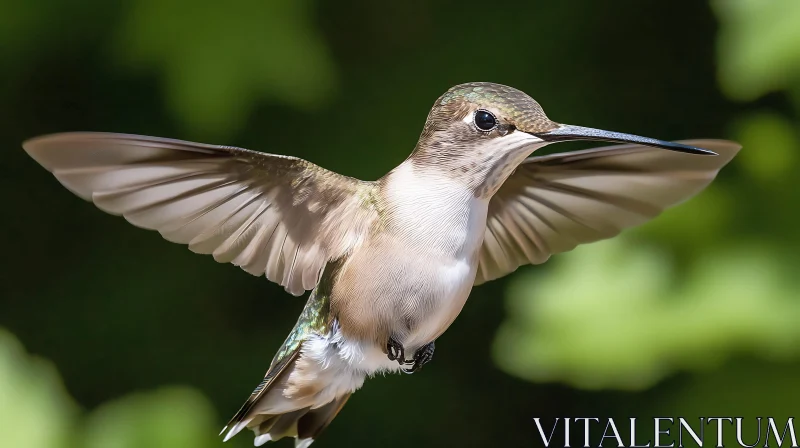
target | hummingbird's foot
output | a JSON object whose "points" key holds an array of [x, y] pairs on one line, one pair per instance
{"points": [[423, 356], [395, 351]]}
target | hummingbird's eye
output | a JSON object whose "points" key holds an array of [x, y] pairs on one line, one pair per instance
{"points": [[484, 120]]}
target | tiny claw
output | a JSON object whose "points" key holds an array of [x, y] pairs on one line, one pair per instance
{"points": [[395, 351], [423, 356]]}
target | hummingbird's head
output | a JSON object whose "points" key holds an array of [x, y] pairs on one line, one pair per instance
{"points": [[479, 113], [481, 131]]}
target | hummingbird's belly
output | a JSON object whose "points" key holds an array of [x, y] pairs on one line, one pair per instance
{"points": [[412, 298], [450, 285], [424, 298]]}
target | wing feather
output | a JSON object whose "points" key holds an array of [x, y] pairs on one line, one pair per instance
{"points": [[272, 215], [553, 203]]}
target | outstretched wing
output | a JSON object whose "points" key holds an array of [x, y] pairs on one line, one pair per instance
{"points": [[275, 215], [553, 203]]}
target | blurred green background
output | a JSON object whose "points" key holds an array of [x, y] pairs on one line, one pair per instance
{"points": [[112, 337]]}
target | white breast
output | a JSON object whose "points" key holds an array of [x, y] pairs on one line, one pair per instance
{"points": [[442, 219], [435, 211]]}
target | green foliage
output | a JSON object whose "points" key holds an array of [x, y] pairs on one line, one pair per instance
{"points": [[169, 417], [775, 140], [611, 315], [219, 61], [37, 412], [35, 409], [758, 44]]}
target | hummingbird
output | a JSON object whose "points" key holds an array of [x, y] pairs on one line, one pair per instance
{"points": [[390, 263]]}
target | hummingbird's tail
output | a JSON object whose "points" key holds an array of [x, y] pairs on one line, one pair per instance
{"points": [[291, 401], [305, 387]]}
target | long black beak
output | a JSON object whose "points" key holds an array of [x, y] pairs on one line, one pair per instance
{"points": [[566, 132]]}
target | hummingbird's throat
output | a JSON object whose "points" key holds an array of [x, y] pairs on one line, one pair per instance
{"points": [[482, 165], [502, 162]]}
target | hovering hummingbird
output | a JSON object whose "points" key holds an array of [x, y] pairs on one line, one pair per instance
{"points": [[390, 262]]}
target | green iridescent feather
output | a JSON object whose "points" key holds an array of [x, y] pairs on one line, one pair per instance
{"points": [[514, 104], [315, 319]]}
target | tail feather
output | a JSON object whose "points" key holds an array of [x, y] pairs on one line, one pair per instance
{"points": [[316, 420], [307, 384], [241, 419], [304, 424], [285, 404], [278, 426]]}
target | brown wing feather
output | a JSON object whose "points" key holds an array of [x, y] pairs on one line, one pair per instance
{"points": [[553, 203], [275, 215]]}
